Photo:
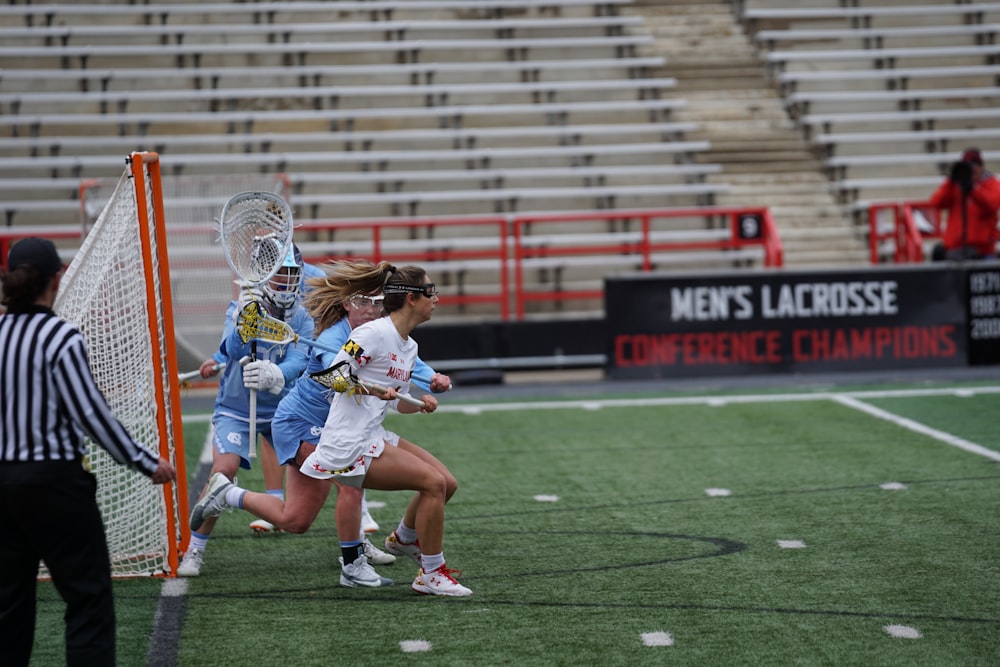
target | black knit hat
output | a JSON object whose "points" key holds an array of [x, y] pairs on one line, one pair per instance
{"points": [[36, 252]]}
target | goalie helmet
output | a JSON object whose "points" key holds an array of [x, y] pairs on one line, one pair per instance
{"points": [[282, 289]]}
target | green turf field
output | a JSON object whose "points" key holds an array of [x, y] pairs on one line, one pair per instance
{"points": [[765, 529]]}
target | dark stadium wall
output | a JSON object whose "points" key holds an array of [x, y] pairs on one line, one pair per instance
{"points": [[787, 321]]}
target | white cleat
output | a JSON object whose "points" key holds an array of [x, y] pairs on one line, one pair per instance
{"points": [[191, 563], [368, 524], [213, 503], [375, 555], [262, 527], [441, 581], [360, 573], [397, 548]]}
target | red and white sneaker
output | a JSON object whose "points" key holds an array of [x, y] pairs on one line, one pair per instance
{"points": [[441, 581], [394, 546]]}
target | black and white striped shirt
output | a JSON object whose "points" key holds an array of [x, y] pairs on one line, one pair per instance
{"points": [[49, 399]]}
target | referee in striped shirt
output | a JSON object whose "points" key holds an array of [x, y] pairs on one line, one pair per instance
{"points": [[48, 504]]}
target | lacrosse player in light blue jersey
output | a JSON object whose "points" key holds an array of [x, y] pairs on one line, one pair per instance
{"points": [[267, 368]]}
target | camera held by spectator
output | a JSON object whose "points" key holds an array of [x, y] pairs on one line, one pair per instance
{"points": [[961, 175]]}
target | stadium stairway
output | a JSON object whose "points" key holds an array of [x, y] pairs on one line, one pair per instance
{"points": [[763, 155]]}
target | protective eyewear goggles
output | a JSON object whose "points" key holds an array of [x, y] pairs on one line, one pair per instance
{"points": [[429, 289], [359, 301]]}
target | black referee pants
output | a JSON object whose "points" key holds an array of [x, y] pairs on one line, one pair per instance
{"points": [[48, 511]]}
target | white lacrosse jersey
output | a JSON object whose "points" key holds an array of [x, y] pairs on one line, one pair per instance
{"points": [[353, 428]]}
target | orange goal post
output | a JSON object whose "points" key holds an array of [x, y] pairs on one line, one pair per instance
{"points": [[117, 291]]}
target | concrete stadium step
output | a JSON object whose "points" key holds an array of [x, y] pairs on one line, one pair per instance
{"points": [[764, 157]]}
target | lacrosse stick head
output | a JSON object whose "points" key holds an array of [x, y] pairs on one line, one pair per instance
{"points": [[256, 231], [337, 377], [253, 323]]}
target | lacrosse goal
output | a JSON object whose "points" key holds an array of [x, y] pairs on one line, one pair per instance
{"points": [[117, 292]]}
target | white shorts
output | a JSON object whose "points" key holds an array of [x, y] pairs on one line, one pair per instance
{"points": [[353, 473]]}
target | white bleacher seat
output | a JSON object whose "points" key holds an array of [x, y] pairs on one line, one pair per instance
{"points": [[893, 77], [358, 30], [862, 16], [402, 51], [938, 139], [206, 162], [801, 102], [778, 60], [839, 165], [299, 181], [377, 9], [875, 37], [413, 199], [265, 142], [916, 119], [444, 116], [329, 96], [689, 172], [850, 190], [410, 203], [125, 78]]}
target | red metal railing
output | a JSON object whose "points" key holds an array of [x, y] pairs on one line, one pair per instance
{"points": [[503, 244], [902, 232], [641, 247], [492, 248]]}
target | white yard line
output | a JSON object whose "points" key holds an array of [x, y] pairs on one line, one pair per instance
{"points": [[715, 401], [917, 427]]}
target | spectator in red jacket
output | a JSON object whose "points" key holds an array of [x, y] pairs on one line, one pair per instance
{"points": [[971, 194]]}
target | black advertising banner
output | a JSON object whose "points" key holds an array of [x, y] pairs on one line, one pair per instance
{"points": [[785, 322], [984, 316]]}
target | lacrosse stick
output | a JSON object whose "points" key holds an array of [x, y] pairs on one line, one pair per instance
{"points": [[256, 232], [253, 323], [339, 378], [185, 378]]}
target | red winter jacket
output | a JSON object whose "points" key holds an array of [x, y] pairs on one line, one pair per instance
{"points": [[981, 214]]}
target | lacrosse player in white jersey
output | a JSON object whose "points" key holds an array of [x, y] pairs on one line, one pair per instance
{"points": [[337, 308], [355, 448]]}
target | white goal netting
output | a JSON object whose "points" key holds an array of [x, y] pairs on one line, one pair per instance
{"points": [[200, 279], [116, 290]]}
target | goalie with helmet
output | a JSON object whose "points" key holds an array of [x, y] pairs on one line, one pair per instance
{"points": [[266, 368]]}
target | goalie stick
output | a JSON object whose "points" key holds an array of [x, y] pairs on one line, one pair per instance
{"points": [[256, 232]]}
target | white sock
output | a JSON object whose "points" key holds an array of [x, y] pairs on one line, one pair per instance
{"points": [[198, 541], [277, 493], [405, 533], [364, 502], [429, 563], [234, 497]]}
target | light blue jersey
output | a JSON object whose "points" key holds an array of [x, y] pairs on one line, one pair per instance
{"points": [[301, 414], [233, 398]]}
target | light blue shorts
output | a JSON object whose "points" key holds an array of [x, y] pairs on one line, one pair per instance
{"points": [[232, 436], [290, 430]]}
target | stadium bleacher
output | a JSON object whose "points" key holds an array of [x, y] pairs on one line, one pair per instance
{"points": [[444, 107], [889, 93]]}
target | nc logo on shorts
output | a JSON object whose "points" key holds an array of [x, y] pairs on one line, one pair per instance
{"points": [[315, 431], [234, 439]]}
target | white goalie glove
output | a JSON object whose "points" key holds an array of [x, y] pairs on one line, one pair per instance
{"points": [[261, 375], [248, 293]]}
